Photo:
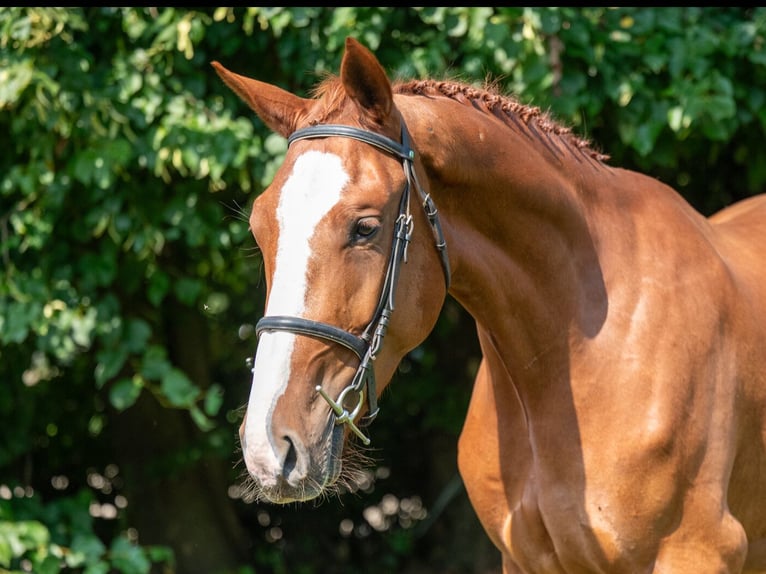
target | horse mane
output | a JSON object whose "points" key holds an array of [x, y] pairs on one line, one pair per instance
{"points": [[487, 100]]}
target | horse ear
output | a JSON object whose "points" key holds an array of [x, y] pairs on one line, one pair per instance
{"points": [[280, 110], [365, 81]]}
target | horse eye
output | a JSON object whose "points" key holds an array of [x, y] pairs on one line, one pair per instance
{"points": [[366, 227]]}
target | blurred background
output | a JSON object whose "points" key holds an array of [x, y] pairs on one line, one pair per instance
{"points": [[130, 285]]}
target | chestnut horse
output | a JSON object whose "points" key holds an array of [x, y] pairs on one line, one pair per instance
{"points": [[617, 419]]}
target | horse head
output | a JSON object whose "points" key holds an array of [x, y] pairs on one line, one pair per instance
{"points": [[335, 230]]}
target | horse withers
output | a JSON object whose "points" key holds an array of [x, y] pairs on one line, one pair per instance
{"points": [[617, 417]]}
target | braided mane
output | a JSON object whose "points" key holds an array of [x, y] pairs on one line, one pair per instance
{"points": [[507, 109], [488, 100]]}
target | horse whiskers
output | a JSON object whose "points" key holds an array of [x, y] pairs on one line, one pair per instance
{"points": [[240, 214], [355, 470], [238, 211], [355, 474], [250, 490], [250, 251], [240, 412]]}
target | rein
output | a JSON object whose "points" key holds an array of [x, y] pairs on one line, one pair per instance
{"points": [[368, 344]]}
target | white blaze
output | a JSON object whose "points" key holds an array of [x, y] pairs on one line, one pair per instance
{"points": [[312, 189]]}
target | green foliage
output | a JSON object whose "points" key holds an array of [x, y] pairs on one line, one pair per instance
{"points": [[123, 219], [60, 537]]}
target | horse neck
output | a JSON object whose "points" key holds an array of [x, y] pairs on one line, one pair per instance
{"points": [[524, 264]]}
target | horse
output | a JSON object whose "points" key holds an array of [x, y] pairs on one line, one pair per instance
{"points": [[617, 418]]}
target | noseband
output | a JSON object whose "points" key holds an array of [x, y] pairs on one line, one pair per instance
{"points": [[368, 344]]}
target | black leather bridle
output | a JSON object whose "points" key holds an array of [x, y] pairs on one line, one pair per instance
{"points": [[368, 344]]}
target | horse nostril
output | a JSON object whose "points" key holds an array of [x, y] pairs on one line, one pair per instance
{"points": [[294, 459], [291, 458]]}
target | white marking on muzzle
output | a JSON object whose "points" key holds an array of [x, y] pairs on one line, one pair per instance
{"points": [[310, 192]]}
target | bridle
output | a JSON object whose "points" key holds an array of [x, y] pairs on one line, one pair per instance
{"points": [[368, 344]]}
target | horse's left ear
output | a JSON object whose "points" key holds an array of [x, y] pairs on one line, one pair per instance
{"points": [[366, 82], [279, 109]]}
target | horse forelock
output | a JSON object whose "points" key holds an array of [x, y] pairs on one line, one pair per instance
{"points": [[330, 97]]}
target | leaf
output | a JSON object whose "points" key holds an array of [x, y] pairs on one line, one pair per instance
{"points": [[199, 418], [13, 81], [160, 554], [128, 558], [48, 565], [84, 549], [110, 361], [125, 392], [676, 119], [187, 290], [99, 567], [100, 269], [18, 538], [275, 144], [137, 332], [155, 364], [213, 400], [18, 320], [159, 283], [84, 166], [178, 389], [34, 532], [6, 551], [83, 324]]}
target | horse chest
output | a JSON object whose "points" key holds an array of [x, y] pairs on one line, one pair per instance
{"points": [[549, 496]]}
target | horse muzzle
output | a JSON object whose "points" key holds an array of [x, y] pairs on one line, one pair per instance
{"points": [[287, 468]]}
